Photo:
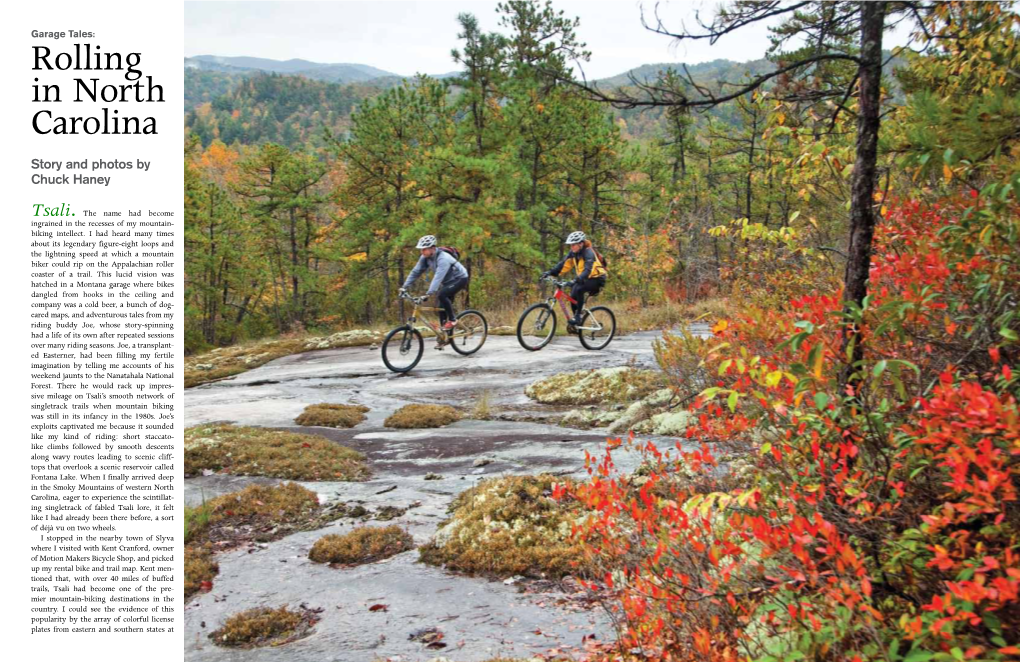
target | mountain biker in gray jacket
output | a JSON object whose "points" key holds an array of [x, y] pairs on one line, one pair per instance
{"points": [[450, 277]]}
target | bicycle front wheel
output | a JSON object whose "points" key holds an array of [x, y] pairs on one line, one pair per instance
{"points": [[536, 327], [402, 348], [597, 328], [470, 333]]}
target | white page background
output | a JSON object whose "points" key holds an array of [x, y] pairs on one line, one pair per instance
{"points": [[155, 30]]}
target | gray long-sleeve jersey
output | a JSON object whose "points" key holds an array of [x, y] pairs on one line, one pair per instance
{"points": [[446, 268]]}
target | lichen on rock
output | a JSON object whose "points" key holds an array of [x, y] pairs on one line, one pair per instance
{"points": [[596, 386]]}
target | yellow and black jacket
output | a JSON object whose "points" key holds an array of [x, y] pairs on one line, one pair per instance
{"points": [[585, 264]]}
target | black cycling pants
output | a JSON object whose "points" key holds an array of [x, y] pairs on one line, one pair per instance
{"points": [[445, 296], [582, 288]]}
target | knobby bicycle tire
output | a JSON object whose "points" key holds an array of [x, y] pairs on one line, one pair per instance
{"points": [[415, 339], [520, 327], [485, 334], [590, 343]]}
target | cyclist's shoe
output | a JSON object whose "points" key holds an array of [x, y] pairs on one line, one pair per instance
{"points": [[449, 326], [570, 328], [574, 321]]}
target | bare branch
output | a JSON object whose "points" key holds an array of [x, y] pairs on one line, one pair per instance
{"points": [[660, 97]]}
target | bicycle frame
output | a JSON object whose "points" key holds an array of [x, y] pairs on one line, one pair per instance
{"points": [[563, 298], [443, 337]]}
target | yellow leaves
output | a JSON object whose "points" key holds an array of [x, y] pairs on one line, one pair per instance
{"points": [[539, 107], [720, 326], [357, 257], [819, 361], [947, 172], [950, 325]]}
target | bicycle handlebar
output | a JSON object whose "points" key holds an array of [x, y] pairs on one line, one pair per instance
{"points": [[413, 299], [556, 281]]}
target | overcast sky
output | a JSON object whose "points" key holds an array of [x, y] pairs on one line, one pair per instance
{"points": [[410, 37]]}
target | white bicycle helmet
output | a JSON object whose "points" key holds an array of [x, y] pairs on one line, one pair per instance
{"points": [[575, 238], [428, 241]]}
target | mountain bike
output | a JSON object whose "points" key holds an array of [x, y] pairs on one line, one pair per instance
{"points": [[403, 346], [537, 324]]}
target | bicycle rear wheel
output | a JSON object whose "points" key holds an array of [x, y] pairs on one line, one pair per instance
{"points": [[536, 327], [597, 328], [470, 333], [402, 348]]}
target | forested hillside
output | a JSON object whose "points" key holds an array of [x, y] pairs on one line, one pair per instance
{"points": [[502, 161], [212, 80], [269, 108], [845, 485]]}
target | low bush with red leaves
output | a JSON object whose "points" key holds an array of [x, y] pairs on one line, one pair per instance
{"points": [[879, 519]]}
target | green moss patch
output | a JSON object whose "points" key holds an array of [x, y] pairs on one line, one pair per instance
{"points": [[258, 513], [224, 362], [362, 545], [249, 451], [590, 387], [510, 526], [332, 416], [199, 569], [422, 416], [264, 626]]}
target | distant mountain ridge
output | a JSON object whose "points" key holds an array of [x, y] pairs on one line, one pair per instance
{"points": [[253, 100], [348, 72], [703, 71], [340, 72]]}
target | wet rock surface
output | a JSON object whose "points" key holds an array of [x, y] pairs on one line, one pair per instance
{"points": [[478, 618]]}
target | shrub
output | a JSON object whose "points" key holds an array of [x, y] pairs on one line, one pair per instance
{"points": [[880, 519]]}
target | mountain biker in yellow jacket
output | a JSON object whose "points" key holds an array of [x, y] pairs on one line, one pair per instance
{"points": [[590, 273]]}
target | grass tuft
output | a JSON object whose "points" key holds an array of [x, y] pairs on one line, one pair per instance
{"points": [[482, 410], [422, 416], [364, 544], [249, 451], [332, 416]]}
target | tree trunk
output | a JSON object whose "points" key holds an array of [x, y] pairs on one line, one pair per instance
{"points": [[296, 315], [862, 196]]}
